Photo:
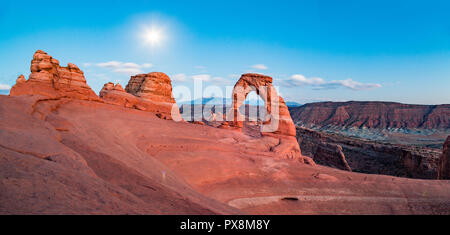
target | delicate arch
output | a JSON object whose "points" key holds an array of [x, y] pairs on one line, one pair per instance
{"points": [[277, 119]]}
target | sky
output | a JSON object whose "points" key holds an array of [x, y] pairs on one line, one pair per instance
{"points": [[315, 50]]}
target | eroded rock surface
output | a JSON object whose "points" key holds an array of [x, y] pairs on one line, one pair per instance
{"points": [[49, 79], [150, 92], [382, 115], [277, 123], [277, 120], [372, 157], [444, 164], [387, 122], [331, 155]]}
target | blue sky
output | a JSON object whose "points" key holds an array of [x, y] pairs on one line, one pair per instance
{"points": [[315, 50]]}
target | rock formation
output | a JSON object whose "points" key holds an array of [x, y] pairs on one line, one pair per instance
{"points": [[331, 155], [444, 164], [155, 86], [277, 120], [370, 156], [48, 78], [150, 92]]}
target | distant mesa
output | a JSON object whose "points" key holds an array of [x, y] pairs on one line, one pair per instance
{"points": [[372, 114]]}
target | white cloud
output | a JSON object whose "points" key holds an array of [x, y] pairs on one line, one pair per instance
{"points": [[354, 85], [128, 71], [234, 76], [181, 77], [110, 64], [260, 67], [299, 79], [321, 99], [130, 65], [100, 76], [4, 87], [202, 77], [320, 83], [221, 81], [128, 68]]}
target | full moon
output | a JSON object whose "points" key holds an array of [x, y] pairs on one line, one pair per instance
{"points": [[153, 36]]}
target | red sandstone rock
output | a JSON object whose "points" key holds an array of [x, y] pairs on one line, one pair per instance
{"points": [[278, 119], [324, 177], [370, 156], [155, 86], [21, 79], [331, 155], [147, 92], [277, 123], [48, 78], [118, 87], [444, 165], [198, 123]]}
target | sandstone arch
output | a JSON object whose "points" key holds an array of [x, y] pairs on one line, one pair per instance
{"points": [[277, 120], [278, 126]]}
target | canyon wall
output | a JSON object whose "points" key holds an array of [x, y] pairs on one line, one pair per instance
{"points": [[370, 157], [444, 164], [381, 115]]}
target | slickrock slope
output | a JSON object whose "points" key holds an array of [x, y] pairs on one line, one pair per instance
{"points": [[78, 157], [150, 92], [381, 115], [372, 157], [75, 156], [444, 164], [49, 79]]}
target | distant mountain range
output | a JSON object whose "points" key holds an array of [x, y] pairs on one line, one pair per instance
{"points": [[229, 101], [292, 104]]}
